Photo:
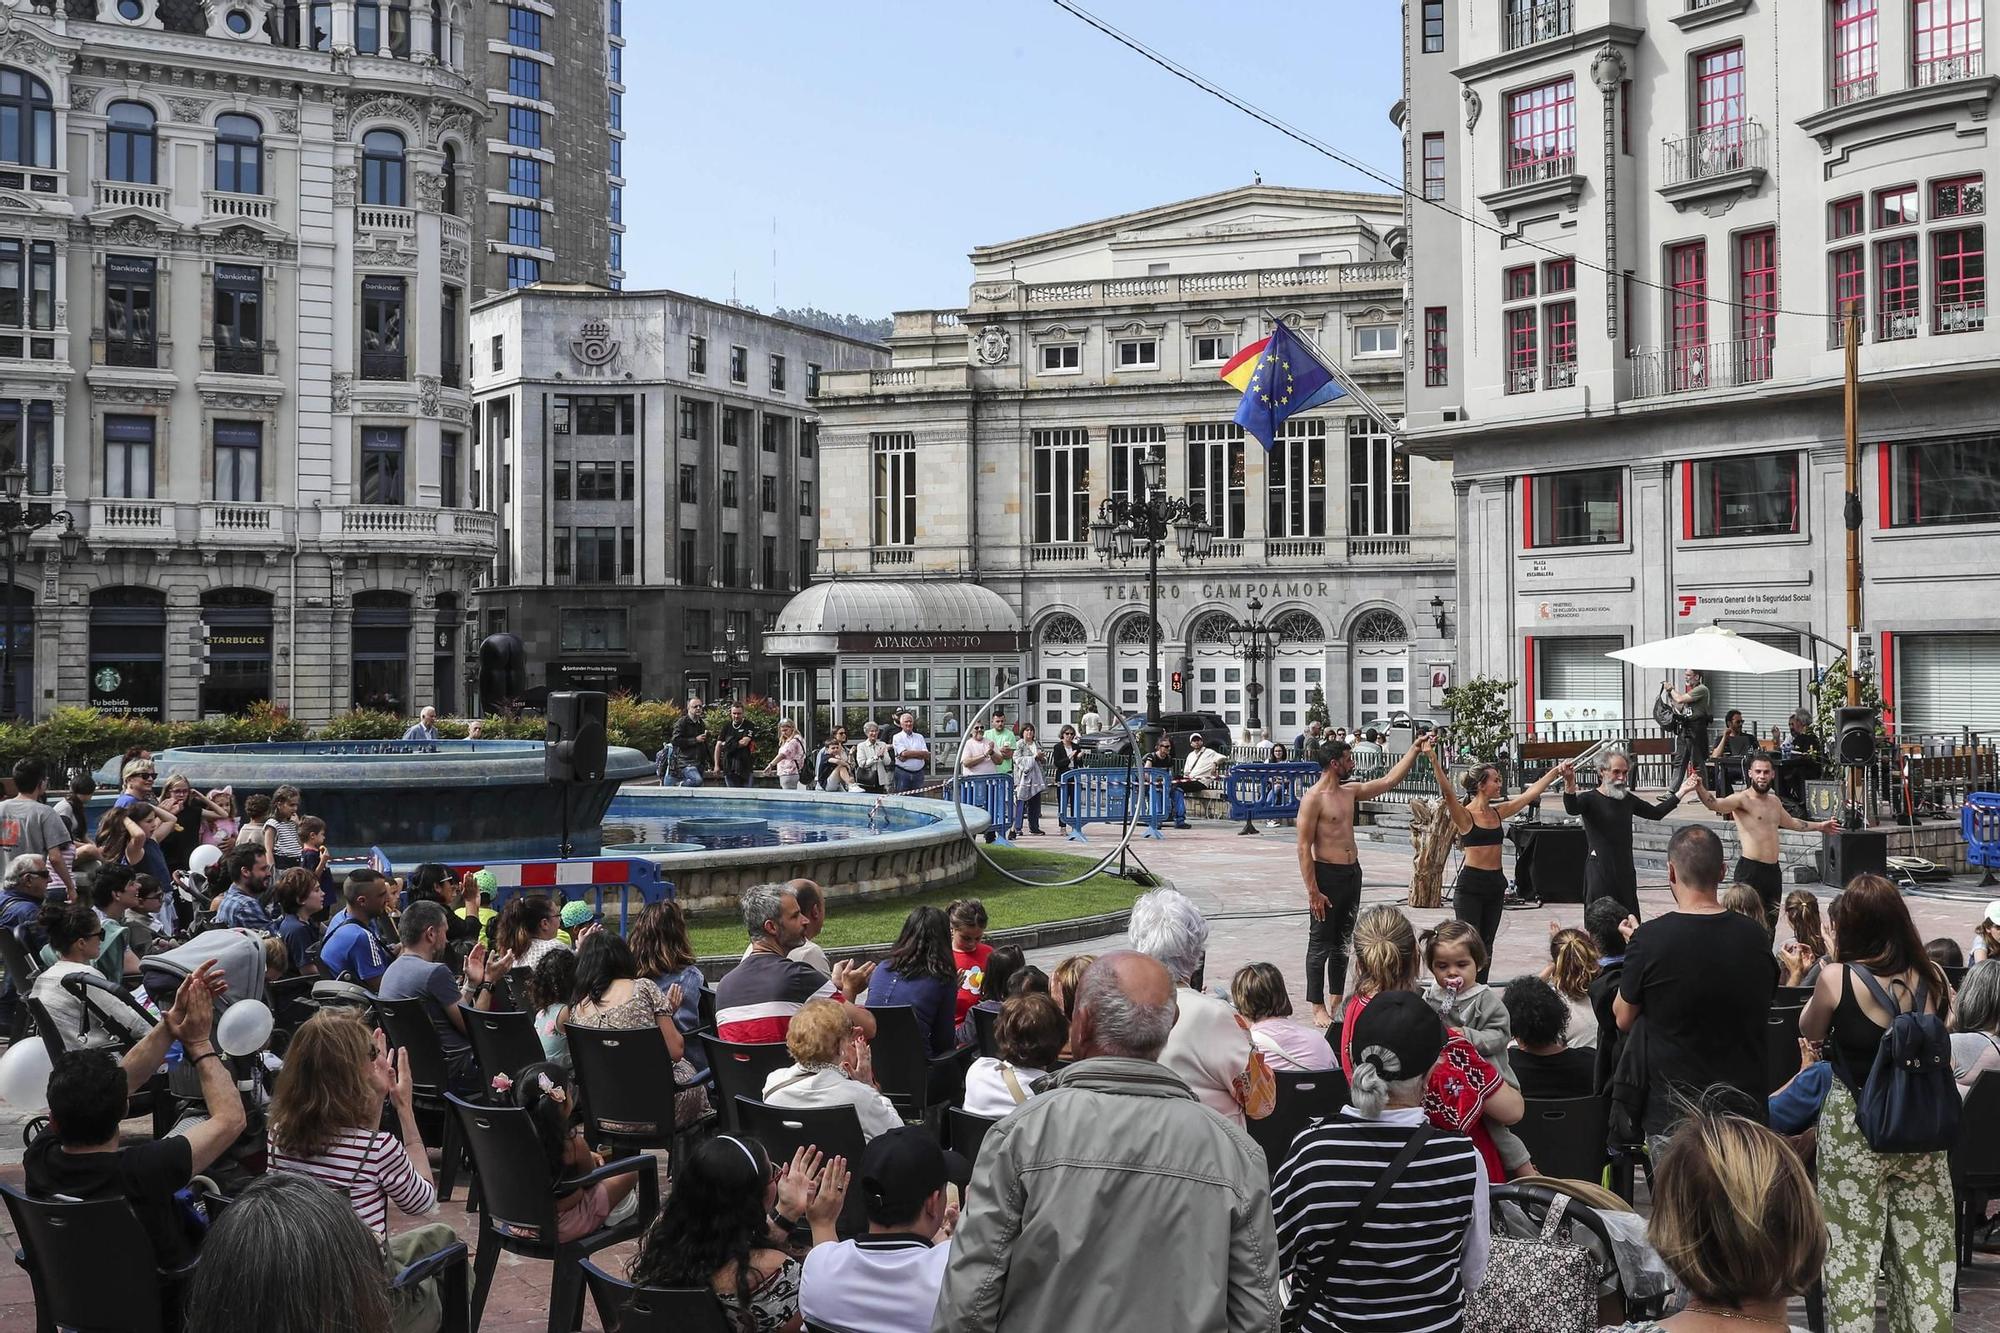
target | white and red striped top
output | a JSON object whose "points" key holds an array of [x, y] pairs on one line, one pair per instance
{"points": [[373, 1168], [756, 1000]]}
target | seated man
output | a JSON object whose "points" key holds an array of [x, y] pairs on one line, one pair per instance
{"points": [[351, 945], [1732, 750], [1800, 759], [1548, 1068], [888, 1280], [417, 974], [1162, 757], [80, 1156]]}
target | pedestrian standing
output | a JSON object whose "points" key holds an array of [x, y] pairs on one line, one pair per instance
{"points": [[1031, 779], [735, 755], [912, 752], [791, 756]]}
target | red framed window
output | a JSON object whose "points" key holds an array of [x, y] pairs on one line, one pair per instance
{"points": [[1850, 287], [1844, 218], [1433, 166], [1559, 336], [1718, 77], [1854, 40], [1959, 197], [1897, 284], [1519, 283], [1436, 349], [1757, 300], [1558, 275], [1687, 273], [1958, 279], [1541, 130], [1946, 39], [1896, 207], [1521, 351]]}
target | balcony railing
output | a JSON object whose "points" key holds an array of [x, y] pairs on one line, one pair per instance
{"points": [[455, 230], [1854, 90], [1896, 325], [1291, 548], [1531, 23], [451, 374], [1948, 69], [1559, 375], [251, 207], [1552, 166], [373, 217], [383, 366], [147, 519], [124, 194], [1057, 553], [1231, 549], [883, 556], [1716, 152], [239, 360], [1959, 317], [144, 353], [1521, 379], [232, 521], [1362, 548], [1697, 369]]}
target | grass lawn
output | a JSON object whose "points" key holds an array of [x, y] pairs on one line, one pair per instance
{"points": [[1007, 903]]}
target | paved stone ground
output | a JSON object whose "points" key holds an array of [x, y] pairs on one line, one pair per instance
{"points": [[1250, 888]]}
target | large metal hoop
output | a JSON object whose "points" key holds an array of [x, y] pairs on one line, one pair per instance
{"points": [[977, 726]]}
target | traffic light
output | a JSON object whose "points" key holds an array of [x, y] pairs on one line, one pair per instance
{"points": [[576, 737], [1854, 737], [1177, 680]]}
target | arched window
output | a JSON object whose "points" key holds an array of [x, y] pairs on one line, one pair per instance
{"points": [[239, 155], [451, 179], [382, 168], [1135, 629], [27, 120], [1212, 627], [1062, 628], [1298, 627], [1379, 626], [132, 147]]}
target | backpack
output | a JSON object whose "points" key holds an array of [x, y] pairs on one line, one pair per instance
{"points": [[1910, 1101]]}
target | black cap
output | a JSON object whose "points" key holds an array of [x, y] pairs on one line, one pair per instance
{"points": [[1399, 1034], [902, 1168]]}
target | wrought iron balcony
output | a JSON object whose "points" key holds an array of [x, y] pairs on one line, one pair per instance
{"points": [[1657, 371], [1948, 69], [1527, 24], [1712, 154]]}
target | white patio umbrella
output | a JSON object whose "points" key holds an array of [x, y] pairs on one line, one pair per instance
{"points": [[1712, 648]]}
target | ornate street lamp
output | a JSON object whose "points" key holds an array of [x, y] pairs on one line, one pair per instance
{"points": [[20, 522], [1254, 639]]}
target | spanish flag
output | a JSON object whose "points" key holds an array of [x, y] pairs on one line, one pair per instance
{"points": [[1241, 366]]}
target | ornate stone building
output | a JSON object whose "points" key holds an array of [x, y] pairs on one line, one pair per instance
{"points": [[233, 294]]}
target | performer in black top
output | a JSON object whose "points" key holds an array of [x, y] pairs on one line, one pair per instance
{"points": [[1607, 813]]}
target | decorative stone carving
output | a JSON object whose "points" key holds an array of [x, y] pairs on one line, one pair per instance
{"points": [[343, 389], [430, 191], [389, 406], [188, 110], [384, 254], [443, 123], [427, 395], [993, 345], [1472, 106], [344, 179], [240, 402], [82, 97], [1607, 70], [139, 232], [998, 291], [457, 412], [137, 395], [593, 345], [376, 108], [21, 46], [248, 242], [456, 261], [288, 122]]}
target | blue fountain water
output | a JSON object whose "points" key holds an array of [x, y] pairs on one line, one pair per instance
{"points": [[720, 824]]}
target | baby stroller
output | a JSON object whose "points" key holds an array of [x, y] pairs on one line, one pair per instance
{"points": [[240, 959], [1633, 1284]]}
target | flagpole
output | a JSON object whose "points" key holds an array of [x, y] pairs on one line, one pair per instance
{"points": [[1354, 391]]}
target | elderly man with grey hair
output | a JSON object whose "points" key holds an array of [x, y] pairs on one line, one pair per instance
{"points": [[756, 1001], [1210, 1047], [22, 891], [1115, 1199]]}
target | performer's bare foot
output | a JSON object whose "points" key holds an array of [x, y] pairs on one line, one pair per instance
{"points": [[1321, 1018]]}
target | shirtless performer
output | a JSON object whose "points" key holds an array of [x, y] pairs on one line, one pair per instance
{"points": [[1759, 815], [1331, 867]]}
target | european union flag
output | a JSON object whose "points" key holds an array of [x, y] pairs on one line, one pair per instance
{"points": [[1288, 379]]}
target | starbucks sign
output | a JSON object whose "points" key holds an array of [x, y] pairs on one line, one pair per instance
{"points": [[107, 680]]}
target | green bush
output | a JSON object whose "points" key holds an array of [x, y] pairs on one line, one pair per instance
{"points": [[363, 724]]}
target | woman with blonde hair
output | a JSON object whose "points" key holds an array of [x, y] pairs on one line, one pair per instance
{"points": [[830, 1067], [1572, 967], [1736, 1220]]}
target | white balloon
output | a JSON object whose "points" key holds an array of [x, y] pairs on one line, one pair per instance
{"points": [[24, 1074], [244, 1027], [201, 858]]}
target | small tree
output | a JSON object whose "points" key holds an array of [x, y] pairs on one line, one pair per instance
{"points": [[1481, 731], [1316, 706]]}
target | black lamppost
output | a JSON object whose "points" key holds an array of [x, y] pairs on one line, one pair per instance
{"points": [[1124, 528], [1253, 638], [19, 523]]}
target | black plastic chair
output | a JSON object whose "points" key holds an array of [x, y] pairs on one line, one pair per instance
{"points": [[704, 1006], [517, 1206], [985, 1029], [64, 1247], [1566, 1137], [448, 1266], [1304, 1096], [1955, 977], [291, 1003], [1781, 1047], [407, 1025], [628, 1083], [504, 1041], [739, 1070], [22, 969], [834, 1130], [634, 1309], [1791, 997], [516, 995], [967, 1131], [905, 1070], [1975, 1160]]}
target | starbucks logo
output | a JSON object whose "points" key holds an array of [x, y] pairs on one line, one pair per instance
{"points": [[107, 679]]}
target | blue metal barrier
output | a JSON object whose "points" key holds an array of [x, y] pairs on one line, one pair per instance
{"points": [[1267, 791], [1100, 795], [993, 793], [591, 879], [1979, 821]]}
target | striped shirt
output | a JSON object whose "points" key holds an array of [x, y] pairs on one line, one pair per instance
{"points": [[756, 1001], [372, 1167], [285, 838], [1424, 1246]]}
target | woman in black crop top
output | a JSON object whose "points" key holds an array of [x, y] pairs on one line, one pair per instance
{"points": [[1881, 1209], [1481, 889]]}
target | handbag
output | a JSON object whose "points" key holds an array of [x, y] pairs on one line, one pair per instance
{"points": [[1294, 1315], [1544, 1284], [1665, 714]]}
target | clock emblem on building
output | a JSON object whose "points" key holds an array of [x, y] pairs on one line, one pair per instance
{"points": [[107, 679]]}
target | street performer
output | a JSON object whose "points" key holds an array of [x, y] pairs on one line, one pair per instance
{"points": [[1607, 813], [1331, 867], [1692, 703], [1759, 814]]}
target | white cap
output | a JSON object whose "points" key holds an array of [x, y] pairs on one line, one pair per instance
{"points": [[1993, 911]]}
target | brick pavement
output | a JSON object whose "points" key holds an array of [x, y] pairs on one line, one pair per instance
{"points": [[1250, 888]]}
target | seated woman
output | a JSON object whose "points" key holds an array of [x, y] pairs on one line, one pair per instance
{"points": [[528, 927], [726, 1226], [1032, 1032], [610, 993], [1258, 990], [1975, 1025], [326, 1113], [831, 1068], [919, 972], [76, 937], [661, 948], [1737, 1222]]}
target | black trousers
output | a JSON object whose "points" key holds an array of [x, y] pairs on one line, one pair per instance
{"points": [[1768, 878], [1328, 937], [1690, 750], [1478, 898]]}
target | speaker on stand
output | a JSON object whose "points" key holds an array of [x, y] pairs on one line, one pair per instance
{"points": [[577, 746]]}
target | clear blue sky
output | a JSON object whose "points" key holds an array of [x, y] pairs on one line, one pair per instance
{"points": [[890, 137]]}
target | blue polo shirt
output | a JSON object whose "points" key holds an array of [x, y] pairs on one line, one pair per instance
{"points": [[352, 947]]}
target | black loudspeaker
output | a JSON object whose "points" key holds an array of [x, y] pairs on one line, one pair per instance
{"points": [[503, 671], [576, 738], [1852, 852], [1854, 735]]}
